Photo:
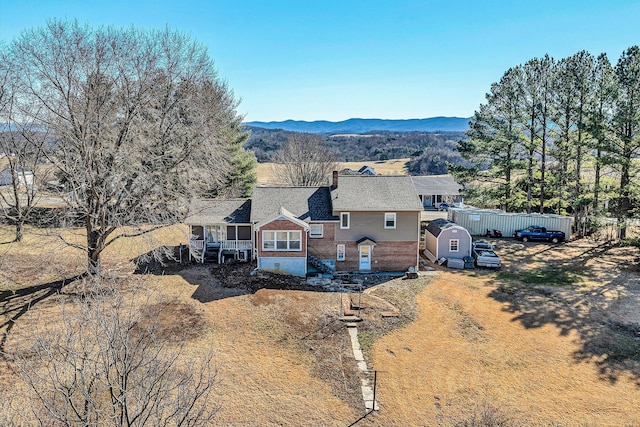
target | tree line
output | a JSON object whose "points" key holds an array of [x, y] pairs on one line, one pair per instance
{"points": [[558, 136], [369, 146]]}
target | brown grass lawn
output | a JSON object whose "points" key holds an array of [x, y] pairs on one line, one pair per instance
{"points": [[386, 167], [549, 340]]}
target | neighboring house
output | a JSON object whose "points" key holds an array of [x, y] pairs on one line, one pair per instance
{"points": [[446, 239], [364, 170], [360, 223], [24, 175], [434, 190]]}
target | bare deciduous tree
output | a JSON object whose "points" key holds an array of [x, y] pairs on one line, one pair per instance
{"points": [[304, 161], [109, 362], [141, 123], [21, 149]]}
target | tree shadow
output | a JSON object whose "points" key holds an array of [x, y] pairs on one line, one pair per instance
{"points": [[553, 294], [214, 281], [219, 281], [15, 304]]}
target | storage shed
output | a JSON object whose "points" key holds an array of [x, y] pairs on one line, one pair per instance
{"points": [[446, 239], [478, 221]]}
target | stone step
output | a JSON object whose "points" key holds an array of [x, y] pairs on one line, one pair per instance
{"points": [[390, 314]]}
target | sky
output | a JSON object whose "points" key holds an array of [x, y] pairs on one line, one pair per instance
{"points": [[340, 59]]}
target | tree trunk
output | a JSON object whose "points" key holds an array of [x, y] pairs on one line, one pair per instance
{"points": [[596, 183], [530, 181], [94, 250], [19, 230], [623, 200], [543, 166]]}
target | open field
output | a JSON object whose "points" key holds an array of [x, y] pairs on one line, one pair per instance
{"points": [[550, 339], [382, 167]]}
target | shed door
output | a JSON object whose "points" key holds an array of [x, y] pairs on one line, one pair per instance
{"points": [[365, 257]]}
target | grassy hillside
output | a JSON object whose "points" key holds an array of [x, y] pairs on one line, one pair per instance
{"points": [[382, 167], [551, 339]]}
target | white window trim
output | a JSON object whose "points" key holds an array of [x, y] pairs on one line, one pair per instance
{"points": [[395, 220], [457, 249], [348, 216], [316, 236], [344, 252], [275, 240]]}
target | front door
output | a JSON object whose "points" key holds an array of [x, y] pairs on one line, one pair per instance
{"points": [[365, 257]]}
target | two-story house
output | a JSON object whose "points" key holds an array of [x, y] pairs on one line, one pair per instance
{"points": [[359, 223], [379, 223]]}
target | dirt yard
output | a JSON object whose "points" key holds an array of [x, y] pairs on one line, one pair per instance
{"points": [[550, 339]]}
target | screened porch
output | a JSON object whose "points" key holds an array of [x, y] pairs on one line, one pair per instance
{"points": [[221, 242]]}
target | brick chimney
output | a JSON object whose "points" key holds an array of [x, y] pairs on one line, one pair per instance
{"points": [[334, 183]]}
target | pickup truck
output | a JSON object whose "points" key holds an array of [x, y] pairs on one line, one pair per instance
{"points": [[484, 255], [539, 233]]}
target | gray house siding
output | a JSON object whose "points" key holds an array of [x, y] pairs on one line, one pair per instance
{"points": [[371, 224]]}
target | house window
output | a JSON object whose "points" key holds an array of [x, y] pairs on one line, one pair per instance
{"points": [[268, 240], [345, 220], [316, 231], [453, 245], [390, 220], [340, 255], [295, 241], [281, 240]]}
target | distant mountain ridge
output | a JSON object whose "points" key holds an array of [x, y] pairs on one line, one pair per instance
{"points": [[433, 124]]}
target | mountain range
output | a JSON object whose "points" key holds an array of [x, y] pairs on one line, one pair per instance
{"points": [[433, 124]]}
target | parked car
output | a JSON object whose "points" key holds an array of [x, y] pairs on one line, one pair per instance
{"points": [[443, 207], [536, 232], [484, 255]]}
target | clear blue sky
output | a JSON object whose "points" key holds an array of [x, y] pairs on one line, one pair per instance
{"points": [[337, 59]]}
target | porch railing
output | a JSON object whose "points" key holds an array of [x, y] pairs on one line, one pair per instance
{"points": [[199, 247], [238, 245], [196, 244]]}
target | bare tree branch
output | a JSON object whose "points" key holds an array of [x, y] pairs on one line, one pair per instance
{"points": [[141, 122], [111, 363], [304, 161]]}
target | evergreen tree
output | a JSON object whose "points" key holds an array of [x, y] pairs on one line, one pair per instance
{"points": [[242, 175], [599, 120], [545, 124], [626, 125], [494, 147], [538, 74]]}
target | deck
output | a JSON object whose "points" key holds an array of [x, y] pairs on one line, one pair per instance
{"points": [[200, 250]]}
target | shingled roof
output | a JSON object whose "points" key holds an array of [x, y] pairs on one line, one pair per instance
{"points": [[312, 203], [436, 184], [216, 211], [437, 226], [375, 193]]}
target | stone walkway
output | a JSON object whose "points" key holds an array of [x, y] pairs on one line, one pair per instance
{"points": [[367, 390]]}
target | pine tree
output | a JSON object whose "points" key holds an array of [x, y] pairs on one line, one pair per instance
{"points": [[627, 130]]}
